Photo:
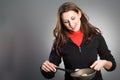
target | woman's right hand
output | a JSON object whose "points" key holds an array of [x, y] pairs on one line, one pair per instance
{"points": [[48, 66]]}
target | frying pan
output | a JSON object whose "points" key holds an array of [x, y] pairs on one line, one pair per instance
{"points": [[84, 74]]}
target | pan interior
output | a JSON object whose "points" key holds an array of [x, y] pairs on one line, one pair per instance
{"points": [[83, 73]]}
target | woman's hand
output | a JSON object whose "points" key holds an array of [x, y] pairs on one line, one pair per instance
{"points": [[99, 64], [48, 66]]}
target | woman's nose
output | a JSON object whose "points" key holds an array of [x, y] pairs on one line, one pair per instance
{"points": [[71, 24]]}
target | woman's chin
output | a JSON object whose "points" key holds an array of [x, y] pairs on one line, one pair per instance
{"points": [[75, 29]]}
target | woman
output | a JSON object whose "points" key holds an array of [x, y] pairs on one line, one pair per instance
{"points": [[78, 43]]}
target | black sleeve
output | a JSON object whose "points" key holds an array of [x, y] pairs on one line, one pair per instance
{"points": [[47, 75], [55, 59], [105, 53]]}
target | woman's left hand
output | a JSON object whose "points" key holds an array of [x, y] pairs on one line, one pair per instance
{"points": [[98, 64]]}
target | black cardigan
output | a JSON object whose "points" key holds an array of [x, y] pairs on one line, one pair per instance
{"points": [[81, 57]]}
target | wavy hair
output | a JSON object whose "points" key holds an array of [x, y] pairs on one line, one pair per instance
{"points": [[60, 31]]}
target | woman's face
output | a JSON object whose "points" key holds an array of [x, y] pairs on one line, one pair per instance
{"points": [[71, 20]]}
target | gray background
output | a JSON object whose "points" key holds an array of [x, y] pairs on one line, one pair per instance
{"points": [[26, 34]]}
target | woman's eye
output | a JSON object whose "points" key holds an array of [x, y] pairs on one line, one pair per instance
{"points": [[65, 21], [72, 18]]}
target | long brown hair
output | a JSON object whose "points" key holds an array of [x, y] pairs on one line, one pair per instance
{"points": [[60, 32]]}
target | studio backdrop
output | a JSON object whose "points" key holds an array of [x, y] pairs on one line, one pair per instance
{"points": [[26, 34]]}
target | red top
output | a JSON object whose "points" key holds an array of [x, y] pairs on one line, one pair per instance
{"points": [[76, 37]]}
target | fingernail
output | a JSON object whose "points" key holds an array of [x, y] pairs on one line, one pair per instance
{"points": [[54, 69]]}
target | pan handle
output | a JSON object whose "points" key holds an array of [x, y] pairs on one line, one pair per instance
{"points": [[66, 70]]}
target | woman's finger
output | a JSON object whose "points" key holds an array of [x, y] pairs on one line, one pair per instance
{"points": [[48, 66]]}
